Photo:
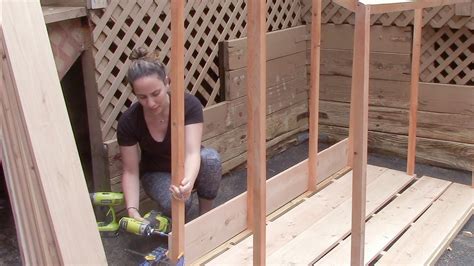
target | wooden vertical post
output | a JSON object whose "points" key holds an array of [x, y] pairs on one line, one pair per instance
{"points": [[415, 77], [360, 102], [100, 171], [314, 94], [177, 125], [256, 106]]}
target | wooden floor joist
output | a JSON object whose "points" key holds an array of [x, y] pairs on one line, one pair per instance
{"points": [[54, 218]]}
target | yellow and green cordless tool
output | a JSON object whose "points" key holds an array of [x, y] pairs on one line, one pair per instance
{"points": [[106, 200]]}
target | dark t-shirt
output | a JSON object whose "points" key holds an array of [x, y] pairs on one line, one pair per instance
{"points": [[155, 156]]}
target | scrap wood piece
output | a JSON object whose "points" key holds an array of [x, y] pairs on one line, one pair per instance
{"points": [[50, 202]]}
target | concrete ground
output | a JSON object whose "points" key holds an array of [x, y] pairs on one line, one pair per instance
{"points": [[123, 249]]}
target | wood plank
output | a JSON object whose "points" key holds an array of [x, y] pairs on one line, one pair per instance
{"points": [[388, 39], [292, 40], [314, 94], [415, 78], [434, 229], [303, 249], [289, 225], [229, 219], [441, 98], [359, 129], [391, 221], [32, 111], [385, 6], [442, 153], [385, 66], [256, 103], [432, 125], [59, 13], [279, 70], [177, 128]]}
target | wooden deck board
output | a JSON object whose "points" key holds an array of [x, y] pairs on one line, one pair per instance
{"points": [[290, 224], [389, 223], [323, 235], [434, 229]]}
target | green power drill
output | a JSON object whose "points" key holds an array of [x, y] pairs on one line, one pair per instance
{"points": [[154, 223], [109, 226]]}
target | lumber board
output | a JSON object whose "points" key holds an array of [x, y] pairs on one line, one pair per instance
{"points": [[358, 129], [178, 148], [256, 101], [385, 66], [415, 77], [441, 98], [59, 13], [292, 40], [289, 225], [315, 241], [434, 229], [40, 178], [314, 94], [279, 70], [437, 152], [391, 221], [385, 6], [432, 125], [229, 219], [387, 39]]}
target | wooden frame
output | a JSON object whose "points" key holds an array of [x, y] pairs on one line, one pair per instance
{"points": [[248, 210]]}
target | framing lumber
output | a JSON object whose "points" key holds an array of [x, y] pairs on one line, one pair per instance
{"points": [[256, 150], [314, 94], [445, 217], [45, 181], [177, 126], [359, 125], [229, 219], [59, 13], [415, 78], [385, 6], [286, 227], [304, 249], [391, 221]]}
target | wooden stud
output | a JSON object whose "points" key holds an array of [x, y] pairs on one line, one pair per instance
{"points": [[314, 94], [100, 169], [177, 125], [256, 95], [360, 97], [415, 77]]}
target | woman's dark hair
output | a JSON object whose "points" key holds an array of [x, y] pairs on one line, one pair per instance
{"points": [[145, 64]]}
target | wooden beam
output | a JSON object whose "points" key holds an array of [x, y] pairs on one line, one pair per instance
{"points": [[177, 125], [386, 6], [359, 117], [50, 201], [415, 78], [59, 13], [314, 94], [256, 166]]}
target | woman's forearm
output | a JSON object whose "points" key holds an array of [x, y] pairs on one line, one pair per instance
{"points": [[131, 190]]}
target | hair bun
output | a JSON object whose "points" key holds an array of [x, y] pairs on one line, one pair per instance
{"points": [[139, 53]]}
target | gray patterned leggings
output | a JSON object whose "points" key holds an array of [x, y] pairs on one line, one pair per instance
{"points": [[156, 184]]}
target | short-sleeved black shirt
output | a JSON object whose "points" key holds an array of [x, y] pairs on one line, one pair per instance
{"points": [[155, 156]]}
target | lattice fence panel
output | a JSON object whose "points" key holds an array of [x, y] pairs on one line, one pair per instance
{"points": [[447, 56], [125, 25], [435, 17]]}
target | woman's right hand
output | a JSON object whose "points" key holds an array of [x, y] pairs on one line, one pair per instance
{"points": [[133, 213]]}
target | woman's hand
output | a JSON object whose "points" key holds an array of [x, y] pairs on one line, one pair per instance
{"points": [[183, 191], [133, 213]]}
